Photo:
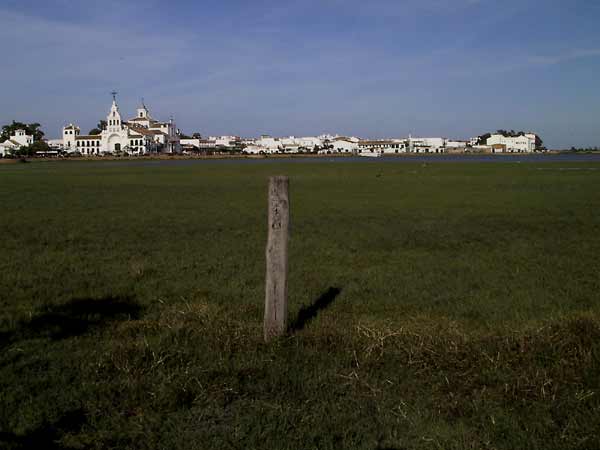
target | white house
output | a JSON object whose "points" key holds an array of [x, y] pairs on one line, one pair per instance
{"points": [[425, 145], [22, 138], [55, 144], [190, 142], [512, 144], [382, 146], [256, 150], [140, 135], [455, 144], [226, 141], [309, 142], [289, 144], [270, 143], [7, 147], [15, 142], [295, 144], [344, 145]]}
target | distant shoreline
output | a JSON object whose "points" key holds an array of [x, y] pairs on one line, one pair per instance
{"points": [[282, 156]]}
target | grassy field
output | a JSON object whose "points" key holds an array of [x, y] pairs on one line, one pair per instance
{"points": [[432, 306]]}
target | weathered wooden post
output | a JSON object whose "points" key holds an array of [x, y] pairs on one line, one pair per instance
{"points": [[276, 307]]}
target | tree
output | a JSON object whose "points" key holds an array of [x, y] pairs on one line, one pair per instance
{"points": [[539, 144], [31, 150], [99, 127], [32, 129], [482, 140], [195, 135]]}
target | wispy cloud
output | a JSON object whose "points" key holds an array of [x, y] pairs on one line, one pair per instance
{"points": [[84, 51], [546, 60]]}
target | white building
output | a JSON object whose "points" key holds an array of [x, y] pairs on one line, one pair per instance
{"points": [[226, 141], [7, 147], [256, 150], [425, 145], [290, 144], [139, 136], [512, 144], [22, 138], [382, 146], [455, 144], [343, 145], [269, 143], [190, 142], [296, 144], [15, 142], [309, 143], [55, 144]]}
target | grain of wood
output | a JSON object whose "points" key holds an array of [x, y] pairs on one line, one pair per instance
{"points": [[276, 307]]}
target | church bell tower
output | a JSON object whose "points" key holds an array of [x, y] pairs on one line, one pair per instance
{"points": [[142, 112], [113, 119]]}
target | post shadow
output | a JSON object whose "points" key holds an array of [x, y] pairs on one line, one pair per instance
{"points": [[308, 313], [74, 318], [47, 435]]}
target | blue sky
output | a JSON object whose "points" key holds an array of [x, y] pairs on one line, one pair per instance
{"points": [[454, 68]]}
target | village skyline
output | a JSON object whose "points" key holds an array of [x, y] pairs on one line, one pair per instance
{"points": [[144, 135], [431, 68]]}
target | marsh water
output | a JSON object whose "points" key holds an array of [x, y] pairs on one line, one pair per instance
{"points": [[423, 158]]}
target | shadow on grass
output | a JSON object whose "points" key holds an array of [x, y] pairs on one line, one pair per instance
{"points": [[308, 313], [74, 318], [46, 436]]}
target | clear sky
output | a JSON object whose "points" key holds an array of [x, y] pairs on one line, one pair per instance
{"points": [[377, 68]]}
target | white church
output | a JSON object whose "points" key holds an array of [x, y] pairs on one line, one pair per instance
{"points": [[141, 135]]}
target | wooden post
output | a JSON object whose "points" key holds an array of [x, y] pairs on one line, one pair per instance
{"points": [[276, 307]]}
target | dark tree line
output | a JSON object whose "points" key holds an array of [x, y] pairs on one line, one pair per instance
{"points": [[193, 136]]}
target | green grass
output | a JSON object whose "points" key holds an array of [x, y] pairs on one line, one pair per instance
{"points": [[468, 315]]}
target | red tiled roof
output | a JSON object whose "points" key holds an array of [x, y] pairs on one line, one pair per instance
{"points": [[145, 131], [90, 137]]}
